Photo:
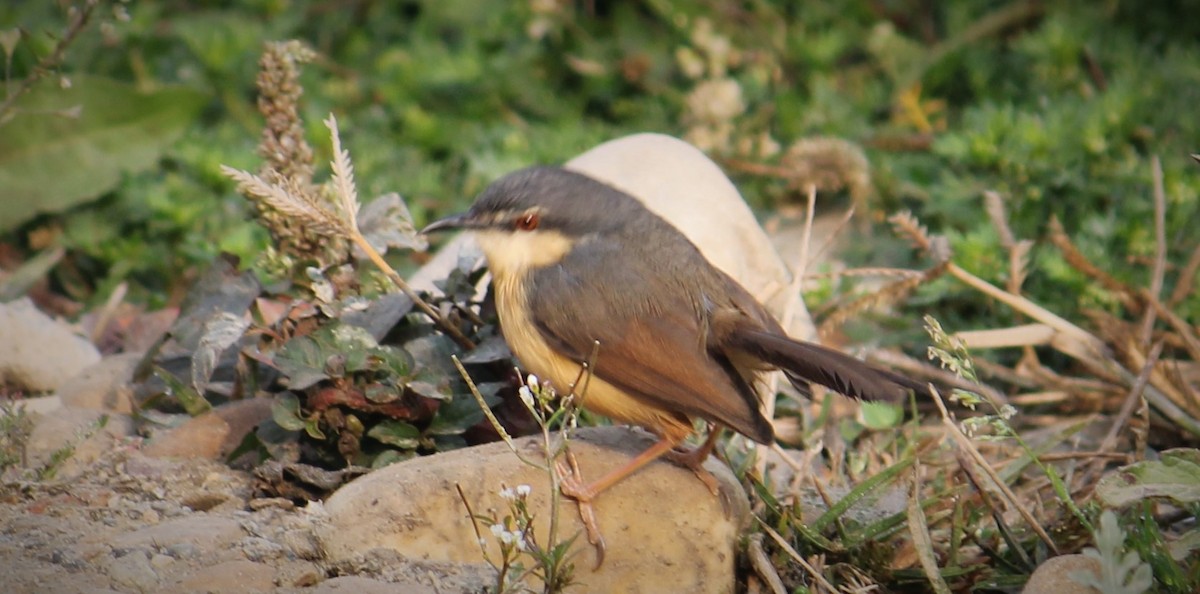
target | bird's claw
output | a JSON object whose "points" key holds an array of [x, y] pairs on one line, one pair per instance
{"points": [[571, 483]]}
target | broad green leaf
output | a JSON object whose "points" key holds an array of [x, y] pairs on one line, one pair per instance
{"points": [[1175, 475], [396, 433], [285, 411], [64, 146], [302, 360]]}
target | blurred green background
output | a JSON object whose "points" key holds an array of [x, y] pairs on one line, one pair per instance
{"points": [[113, 152]]}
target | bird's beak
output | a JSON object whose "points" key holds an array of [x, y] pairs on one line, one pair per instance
{"points": [[458, 221]]}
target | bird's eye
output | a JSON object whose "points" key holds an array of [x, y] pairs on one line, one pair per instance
{"points": [[527, 222]]}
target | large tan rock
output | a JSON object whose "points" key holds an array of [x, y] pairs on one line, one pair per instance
{"points": [[666, 532]]}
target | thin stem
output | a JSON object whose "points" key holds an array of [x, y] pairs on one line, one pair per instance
{"points": [[424, 306]]}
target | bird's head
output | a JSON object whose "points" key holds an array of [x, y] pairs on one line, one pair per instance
{"points": [[534, 217]]}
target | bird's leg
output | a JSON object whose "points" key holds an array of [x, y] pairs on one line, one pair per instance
{"points": [[694, 458], [571, 484], [568, 477]]}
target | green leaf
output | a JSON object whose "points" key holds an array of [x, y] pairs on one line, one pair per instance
{"points": [[193, 403], [69, 145], [461, 412], [396, 433], [391, 457], [302, 360], [285, 411], [1176, 475], [881, 415]]}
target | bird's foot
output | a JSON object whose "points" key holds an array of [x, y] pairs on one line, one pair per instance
{"points": [[571, 483], [693, 459]]}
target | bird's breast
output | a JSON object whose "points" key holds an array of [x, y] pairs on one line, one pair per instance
{"points": [[539, 358]]}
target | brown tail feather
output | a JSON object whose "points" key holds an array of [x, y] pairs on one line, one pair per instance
{"points": [[807, 362]]}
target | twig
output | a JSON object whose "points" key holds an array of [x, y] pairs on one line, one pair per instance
{"points": [[1123, 416], [762, 565], [491, 417], [1184, 284], [783, 543], [828, 243], [447, 327], [107, 312], [793, 293], [474, 524], [47, 63], [1160, 247]]}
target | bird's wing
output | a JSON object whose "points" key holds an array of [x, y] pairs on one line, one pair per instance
{"points": [[652, 338]]}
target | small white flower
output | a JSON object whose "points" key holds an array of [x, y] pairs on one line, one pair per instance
{"points": [[532, 381], [497, 530], [524, 490], [526, 396], [508, 493]]}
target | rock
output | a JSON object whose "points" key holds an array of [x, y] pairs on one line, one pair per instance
{"points": [[351, 584], [1053, 576], [242, 417], [685, 187], [198, 437], [77, 428], [39, 404], [105, 385], [229, 577], [681, 184], [666, 532], [133, 572], [37, 353], [198, 530], [212, 435]]}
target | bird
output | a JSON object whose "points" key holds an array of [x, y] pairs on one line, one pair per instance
{"points": [[584, 274]]}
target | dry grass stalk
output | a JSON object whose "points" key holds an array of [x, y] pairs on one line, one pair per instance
{"points": [[761, 564], [310, 222], [795, 555], [921, 539], [1108, 444], [1018, 251], [1027, 335], [964, 444], [1160, 249], [288, 164]]}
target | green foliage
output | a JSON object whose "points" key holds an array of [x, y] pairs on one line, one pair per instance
{"points": [[1059, 115], [1058, 107], [15, 428], [1120, 573], [68, 143]]}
